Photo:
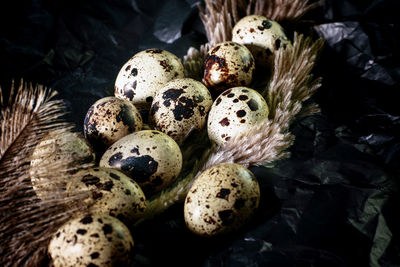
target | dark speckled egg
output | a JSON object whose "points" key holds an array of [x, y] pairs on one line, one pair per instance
{"points": [[150, 157], [91, 240], [180, 107], [221, 200], [228, 64], [233, 112], [109, 119], [146, 72]]}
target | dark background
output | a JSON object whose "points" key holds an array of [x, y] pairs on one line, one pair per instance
{"points": [[335, 202]]}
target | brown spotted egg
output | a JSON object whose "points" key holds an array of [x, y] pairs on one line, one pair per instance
{"points": [[228, 64], [150, 157], [146, 72], [67, 147], [109, 119], [221, 200], [261, 36], [233, 112], [112, 193], [91, 240], [179, 107]]}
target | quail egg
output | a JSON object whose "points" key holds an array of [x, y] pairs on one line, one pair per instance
{"points": [[150, 157], [91, 240], [179, 107], [228, 64], [109, 119], [221, 200], [233, 112], [56, 148], [261, 36], [113, 193], [146, 72]]}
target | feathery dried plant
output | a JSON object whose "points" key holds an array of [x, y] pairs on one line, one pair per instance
{"points": [[27, 222]]}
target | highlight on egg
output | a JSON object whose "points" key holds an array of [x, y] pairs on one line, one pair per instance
{"points": [[221, 200]]}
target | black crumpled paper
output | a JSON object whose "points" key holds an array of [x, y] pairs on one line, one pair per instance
{"points": [[335, 202]]}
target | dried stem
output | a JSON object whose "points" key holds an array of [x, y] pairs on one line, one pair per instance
{"points": [[26, 222]]}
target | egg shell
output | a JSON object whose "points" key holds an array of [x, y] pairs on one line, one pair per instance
{"points": [[112, 193], [261, 36], [150, 157], [221, 200], [68, 147], [228, 64], [233, 112], [91, 240], [180, 107], [146, 72], [109, 119]]}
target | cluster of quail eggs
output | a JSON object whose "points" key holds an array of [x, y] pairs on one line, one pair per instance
{"points": [[138, 135]]}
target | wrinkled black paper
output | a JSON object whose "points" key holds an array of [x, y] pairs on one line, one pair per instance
{"points": [[335, 202]]}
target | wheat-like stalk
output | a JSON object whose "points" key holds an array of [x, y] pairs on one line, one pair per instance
{"points": [[27, 222]]}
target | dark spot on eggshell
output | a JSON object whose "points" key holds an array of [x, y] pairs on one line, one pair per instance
{"points": [[58, 235], [90, 179], [139, 168], [226, 217], [97, 195], [252, 30], [115, 176], [241, 113], [188, 200], [266, 24], [128, 68], [239, 203], [107, 229], [155, 132], [210, 61], [115, 159], [235, 100], [94, 255], [171, 95], [154, 108], [126, 116], [81, 231], [253, 105], [218, 101], [243, 97], [128, 91], [127, 192], [242, 121], [202, 110], [226, 92], [86, 220], [149, 99], [209, 220], [184, 109], [166, 66], [224, 122], [231, 95], [134, 72], [107, 186], [238, 31], [199, 98], [215, 49], [223, 193], [96, 235], [135, 151], [277, 43]]}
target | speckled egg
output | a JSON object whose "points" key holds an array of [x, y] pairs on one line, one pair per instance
{"points": [[150, 157], [91, 240], [262, 36], [69, 148], [180, 107], [109, 119], [221, 200], [233, 112], [228, 64], [145, 73], [112, 193]]}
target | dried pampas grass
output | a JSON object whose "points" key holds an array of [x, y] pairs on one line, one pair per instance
{"points": [[27, 222]]}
